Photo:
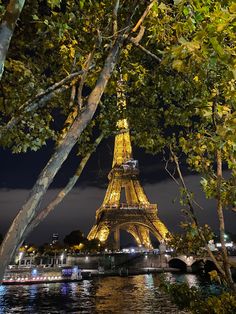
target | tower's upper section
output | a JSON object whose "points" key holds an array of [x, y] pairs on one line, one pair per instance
{"points": [[124, 189], [122, 148]]}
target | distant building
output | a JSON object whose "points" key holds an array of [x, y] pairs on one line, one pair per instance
{"points": [[55, 238]]}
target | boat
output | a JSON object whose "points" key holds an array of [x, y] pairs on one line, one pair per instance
{"points": [[68, 274]]}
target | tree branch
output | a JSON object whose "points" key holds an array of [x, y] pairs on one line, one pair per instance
{"points": [[78, 106], [145, 13], [193, 217], [7, 27], [30, 209], [189, 199], [137, 39], [220, 213], [39, 101], [62, 194], [29, 105], [145, 50], [115, 11], [170, 174], [87, 67]]}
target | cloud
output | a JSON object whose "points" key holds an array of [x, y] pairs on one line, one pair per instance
{"points": [[77, 211]]}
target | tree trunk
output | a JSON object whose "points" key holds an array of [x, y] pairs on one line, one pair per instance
{"points": [[7, 27], [221, 220], [30, 209], [60, 196]]}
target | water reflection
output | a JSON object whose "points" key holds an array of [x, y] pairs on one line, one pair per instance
{"points": [[123, 294], [149, 281], [33, 290], [64, 289], [190, 279], [2, 291], [134, 294]]}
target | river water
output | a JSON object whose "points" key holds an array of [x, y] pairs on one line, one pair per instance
{"points": [[134, 294]]}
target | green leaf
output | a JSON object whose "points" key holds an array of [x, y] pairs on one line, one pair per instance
{"points": [[162, 6], [218, 48], [232, 8], [81, 3], [178, 65], [54, 3], [198, 17], [177, 2], [186, 11], [155, 7], [35, 17]]}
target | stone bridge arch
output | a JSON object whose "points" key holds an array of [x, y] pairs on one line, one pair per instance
{"points": [[178, 263], [192, 264], [203, 264]]}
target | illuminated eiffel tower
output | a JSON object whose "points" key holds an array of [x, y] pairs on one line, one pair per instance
{"points": [[135, 215]]}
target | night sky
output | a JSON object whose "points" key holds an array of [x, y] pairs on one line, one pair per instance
{"points": [[19, 172]]}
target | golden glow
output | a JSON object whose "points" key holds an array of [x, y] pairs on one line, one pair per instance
{"points": [[122, 148], [162, 230], [136, 215], [103, 234], [142, 198], [78, 247]]}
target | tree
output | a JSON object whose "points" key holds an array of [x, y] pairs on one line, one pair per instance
{"points": [[189, 242], [51, 249], [29, 210], [93, 245], [193, 88], [181, 60], [74, 238], [81, 113], [61, 195]]}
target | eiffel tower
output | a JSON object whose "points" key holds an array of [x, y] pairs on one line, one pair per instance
{"points": [[136, 215]]}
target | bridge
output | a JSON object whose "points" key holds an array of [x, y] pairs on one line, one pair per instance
{"points": [[131, 259], [194, 263]]}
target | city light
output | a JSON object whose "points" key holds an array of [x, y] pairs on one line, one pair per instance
{"points": [[227, 244], [226, 236], [34, 272]]}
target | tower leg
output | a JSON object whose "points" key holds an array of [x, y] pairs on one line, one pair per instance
{"points": [[117, 238], [160, 230], [145, 237], [132, 229]]}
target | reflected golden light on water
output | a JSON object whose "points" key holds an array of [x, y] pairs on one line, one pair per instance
{"points": [[128, 294], [125, 294]]}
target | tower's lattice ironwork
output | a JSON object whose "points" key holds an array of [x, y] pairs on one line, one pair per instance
{"points": [[136, 215]]}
